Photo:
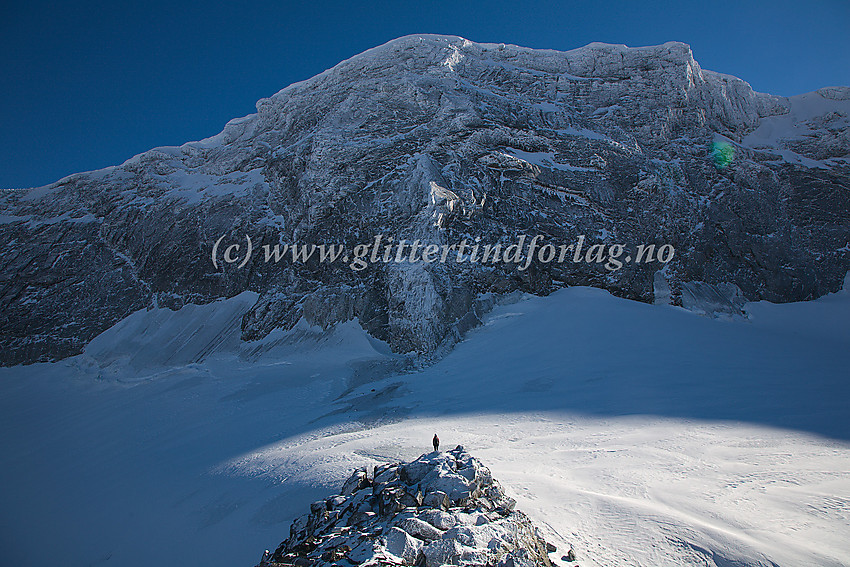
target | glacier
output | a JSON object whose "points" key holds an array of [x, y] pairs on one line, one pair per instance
{"points": [[635, 434]]}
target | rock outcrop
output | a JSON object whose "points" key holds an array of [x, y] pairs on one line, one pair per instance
{"points": [[440, 139], [441, 509]]}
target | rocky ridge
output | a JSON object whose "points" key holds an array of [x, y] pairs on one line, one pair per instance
{"points": [[444, 508]]}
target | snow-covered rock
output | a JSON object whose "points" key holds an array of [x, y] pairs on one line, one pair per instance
{"points": [[403, 545], [385, 521]]}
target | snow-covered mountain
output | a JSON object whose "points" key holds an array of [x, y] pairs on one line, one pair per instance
{"points": [[440, 139], [190, 412]]}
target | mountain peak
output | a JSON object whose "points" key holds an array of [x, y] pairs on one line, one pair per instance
{"points": [[440, 139], [442, 508]]}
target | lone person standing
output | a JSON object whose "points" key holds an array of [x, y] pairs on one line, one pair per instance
{"points": [[436, 442]]}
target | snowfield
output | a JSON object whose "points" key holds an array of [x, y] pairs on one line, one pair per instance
{"points": [[639, 435]]}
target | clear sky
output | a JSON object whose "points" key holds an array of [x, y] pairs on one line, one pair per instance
{"points": [[90, 84]]}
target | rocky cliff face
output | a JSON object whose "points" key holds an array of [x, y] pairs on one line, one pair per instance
{"points": [[441, 509], [440, 139]]}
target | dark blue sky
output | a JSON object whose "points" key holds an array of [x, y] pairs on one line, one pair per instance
{"points": [[90, 84]]}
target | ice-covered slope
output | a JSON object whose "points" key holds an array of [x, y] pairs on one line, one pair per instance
{"points": [[814, 131], [640, 435]]}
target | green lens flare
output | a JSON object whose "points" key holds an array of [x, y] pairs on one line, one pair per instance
{"points": [[723, 153]]}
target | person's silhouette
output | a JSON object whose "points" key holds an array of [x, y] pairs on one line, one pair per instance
{"points": [[436, 442]]}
